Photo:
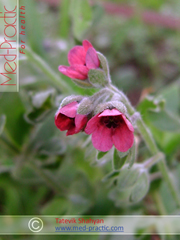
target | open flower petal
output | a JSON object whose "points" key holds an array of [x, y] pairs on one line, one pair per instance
{"points": [[92, 124], [77, 55], [62, 122], [75, 71], [129, 125], [71, 130], [80, 122], [110, 112], [69, 110], [110, 127], [92, 60], [102, 139], [86, 45], [122, 138], [83, 70], [63, 69]]}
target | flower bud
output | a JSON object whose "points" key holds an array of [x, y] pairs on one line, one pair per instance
{"points": [[141, 188], [131, 185], [85, 107], [128, 177], [88, 104], [110, 105], [67, 118], [69, 99]]}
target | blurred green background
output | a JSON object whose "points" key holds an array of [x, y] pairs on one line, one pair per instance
{"points": [[44, 172]]}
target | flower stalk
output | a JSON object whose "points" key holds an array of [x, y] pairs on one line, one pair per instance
{"points": [[153, 160], [148, 138]]}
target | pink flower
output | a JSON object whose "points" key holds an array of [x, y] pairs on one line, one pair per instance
{"points": [[66, 118], [110, 127], [81, 60]]}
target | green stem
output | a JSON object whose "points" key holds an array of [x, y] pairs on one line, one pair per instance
{"points": [[159, 203], [54, 79], [148, 138], [101, 96], [162, 210], [154, 176], [153, 160], [124, 99]]}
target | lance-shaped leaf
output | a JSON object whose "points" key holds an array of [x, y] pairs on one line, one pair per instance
{"points": [[154, 111], [128, 177], [164, 120], [100, 155], [111, 175], [119, 159]]}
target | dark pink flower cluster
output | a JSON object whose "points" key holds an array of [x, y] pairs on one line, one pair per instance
{"points": [[107, 128]]}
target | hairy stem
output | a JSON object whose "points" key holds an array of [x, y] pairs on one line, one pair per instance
{"points": [[153, 160], [148, 138]]}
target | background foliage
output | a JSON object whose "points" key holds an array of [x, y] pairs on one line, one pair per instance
{"points": [[44, 172]]}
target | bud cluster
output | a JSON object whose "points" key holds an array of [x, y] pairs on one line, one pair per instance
{"points": [[131, 185]]}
